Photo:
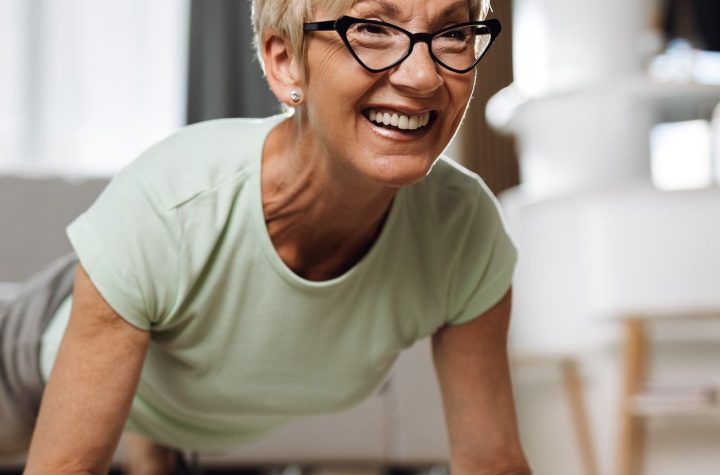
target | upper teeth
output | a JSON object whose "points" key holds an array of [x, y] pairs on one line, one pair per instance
{"points": [[401, 121]]}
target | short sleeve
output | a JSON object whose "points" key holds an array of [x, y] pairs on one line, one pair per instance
{"points": [[127, 243], [485, 263]]}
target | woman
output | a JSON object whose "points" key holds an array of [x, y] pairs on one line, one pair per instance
{"points": [[243, 273]]}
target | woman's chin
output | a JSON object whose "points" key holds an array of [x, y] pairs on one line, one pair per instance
{"points": [[398, 172]]}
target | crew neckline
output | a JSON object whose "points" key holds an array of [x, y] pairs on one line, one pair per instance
{"points": [[264, 236]]}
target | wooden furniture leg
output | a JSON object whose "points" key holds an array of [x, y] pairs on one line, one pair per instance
{"points": [[631, 438], [573, 387]]}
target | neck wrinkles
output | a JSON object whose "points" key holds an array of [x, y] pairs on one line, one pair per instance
{"points": [[320, 218]]}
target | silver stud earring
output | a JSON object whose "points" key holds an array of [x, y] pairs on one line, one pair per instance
{"points": [[295, 96]]}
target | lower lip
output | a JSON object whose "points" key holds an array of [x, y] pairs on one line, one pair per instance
{"points": [[397, 134]]}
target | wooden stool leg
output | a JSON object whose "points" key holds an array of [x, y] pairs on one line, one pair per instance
{"points": [[573, 387], [631, 437]]}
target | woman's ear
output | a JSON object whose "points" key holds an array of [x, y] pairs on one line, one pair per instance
{"points": [[282, 69]]}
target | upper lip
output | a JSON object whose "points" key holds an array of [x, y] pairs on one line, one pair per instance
{"points": [[405, 110]]}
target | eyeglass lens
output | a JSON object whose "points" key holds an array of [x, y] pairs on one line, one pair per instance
{"points": [[380, 46]]}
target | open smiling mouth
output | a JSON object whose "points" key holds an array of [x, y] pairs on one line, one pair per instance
{"points": [[410, 124]]}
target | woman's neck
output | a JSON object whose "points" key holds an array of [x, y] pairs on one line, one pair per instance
{"points": [[321, 219]]}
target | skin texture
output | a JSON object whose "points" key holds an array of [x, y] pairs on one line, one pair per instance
{"points": [[328, 177]]}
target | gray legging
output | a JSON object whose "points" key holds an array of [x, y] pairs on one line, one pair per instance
{"points": [[23, 319]]}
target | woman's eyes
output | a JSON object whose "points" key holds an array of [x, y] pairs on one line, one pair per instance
{"points": [[372, 29], [460, 35]]}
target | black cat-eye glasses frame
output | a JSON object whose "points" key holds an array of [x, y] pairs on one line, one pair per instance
{"points": [[490, 27]]}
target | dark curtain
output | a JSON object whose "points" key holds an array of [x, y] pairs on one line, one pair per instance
{"points": [[694, 20], [225, 78]]}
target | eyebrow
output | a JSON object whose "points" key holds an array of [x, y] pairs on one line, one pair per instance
{"points": [[388, 8], [393, 11]]}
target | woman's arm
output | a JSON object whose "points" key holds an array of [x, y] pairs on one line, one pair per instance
{"points": [[473, 371], [88, 396]]}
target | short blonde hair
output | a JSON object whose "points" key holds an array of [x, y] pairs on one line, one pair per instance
{"points": [[286, 17]]}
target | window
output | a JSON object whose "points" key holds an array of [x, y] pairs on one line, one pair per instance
{"points": [[89, 84], [682, 155]]}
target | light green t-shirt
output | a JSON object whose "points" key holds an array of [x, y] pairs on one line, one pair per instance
{"points": [[177, 244]]}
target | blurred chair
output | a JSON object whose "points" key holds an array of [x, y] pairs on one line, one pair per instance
{"points": [[641, 401], [575, 399]]}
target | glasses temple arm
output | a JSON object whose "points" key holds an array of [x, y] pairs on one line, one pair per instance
{"points": [[319, 26]]}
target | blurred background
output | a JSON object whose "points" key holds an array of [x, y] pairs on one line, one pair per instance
{"points": [[596, 123]]}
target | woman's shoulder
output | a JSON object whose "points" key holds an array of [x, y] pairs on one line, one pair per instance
{"points": [[200, 157], [214, 140], [452, 191]]}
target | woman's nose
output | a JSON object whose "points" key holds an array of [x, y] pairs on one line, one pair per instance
{"points": [[418, 73]]}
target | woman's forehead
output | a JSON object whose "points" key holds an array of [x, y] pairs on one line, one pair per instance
{"points": [[395, 8]]}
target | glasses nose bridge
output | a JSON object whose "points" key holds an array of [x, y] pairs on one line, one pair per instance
{"points": [[416, 38]]}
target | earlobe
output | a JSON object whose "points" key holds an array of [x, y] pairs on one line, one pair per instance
{"points": [[295, 96], [281, 69]]}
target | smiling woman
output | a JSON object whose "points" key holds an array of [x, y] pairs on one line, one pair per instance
{"points": [[244, 273]]}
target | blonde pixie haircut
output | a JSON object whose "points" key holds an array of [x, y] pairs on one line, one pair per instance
{"points": [[286, 17]]}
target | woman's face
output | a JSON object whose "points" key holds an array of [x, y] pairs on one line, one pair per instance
{"points": [[341, 96]]}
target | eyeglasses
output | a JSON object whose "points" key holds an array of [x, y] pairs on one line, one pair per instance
{"points": [[379, 46]]}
